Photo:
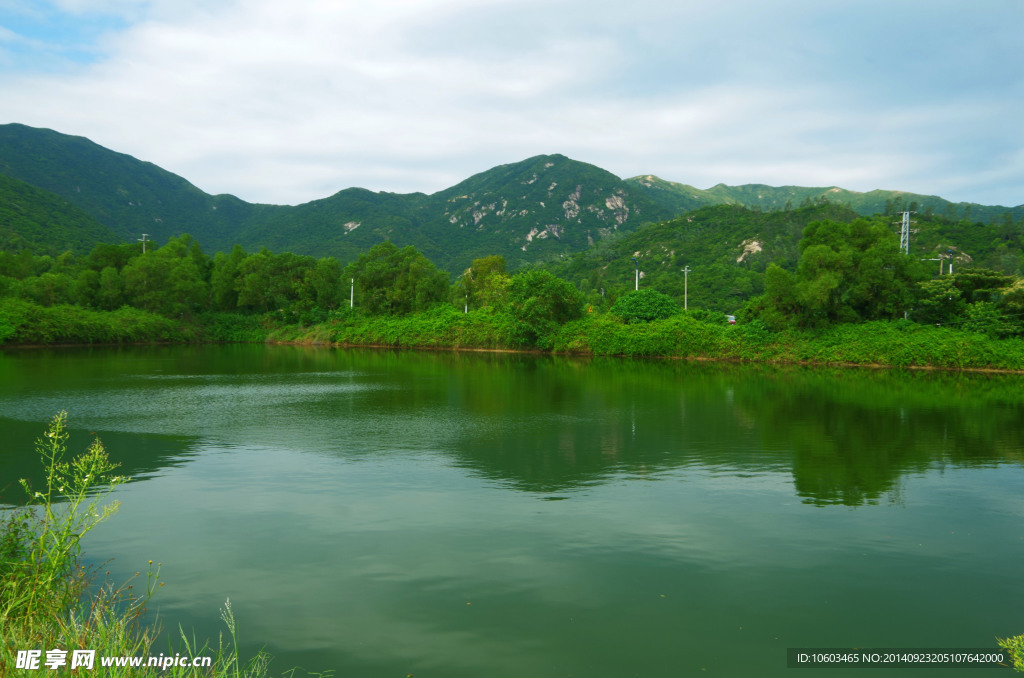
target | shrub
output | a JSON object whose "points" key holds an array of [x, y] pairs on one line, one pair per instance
{"points": [[644, 306]]}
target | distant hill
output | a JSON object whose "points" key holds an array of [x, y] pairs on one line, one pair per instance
{"points": [[681, 198], [540, 209], [45, 223], [129, 196], [533, 209], [726, 247]]}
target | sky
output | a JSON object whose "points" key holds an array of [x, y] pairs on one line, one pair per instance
{"points": [[286, 102]]}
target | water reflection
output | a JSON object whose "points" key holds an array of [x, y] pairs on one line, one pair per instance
{"points": [[537, 424], [382, 513]]}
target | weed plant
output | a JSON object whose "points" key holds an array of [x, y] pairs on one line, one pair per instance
{"points": [[48, 599], [1015, 646]]}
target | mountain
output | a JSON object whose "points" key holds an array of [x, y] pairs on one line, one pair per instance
{"points": [[682, 197], [537, 208], [129, 196], [540, 209], [726, 248], [43, 222]]}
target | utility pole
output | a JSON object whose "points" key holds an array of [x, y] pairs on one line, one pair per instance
{"points": [[905, 233], [686, 288], [143, 241], [950, 262], [352, 295], [637, 272]]}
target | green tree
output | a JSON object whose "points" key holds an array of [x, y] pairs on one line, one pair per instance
{"points": [[397, 281], [167, 281], [87, 288], [111, 289], [939, 301], [118, 256], [224, 279], [642, 306], [541, 302], [268, 281], [484, 283], [50, 289], [847, 272], [323, 286]]}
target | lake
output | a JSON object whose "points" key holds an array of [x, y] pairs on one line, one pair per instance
{"points": [[383, 513]]}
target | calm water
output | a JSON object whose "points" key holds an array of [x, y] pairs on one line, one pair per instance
{"points": [[463, 515]]}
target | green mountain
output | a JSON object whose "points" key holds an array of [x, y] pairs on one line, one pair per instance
{"points": [[541, 209], [526, 211], [726, 248], [682, 197], [537, 209], [129, 196], [45, 223]]}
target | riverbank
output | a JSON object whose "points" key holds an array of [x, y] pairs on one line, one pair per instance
{"points": [[683, 336], [878, 344]]}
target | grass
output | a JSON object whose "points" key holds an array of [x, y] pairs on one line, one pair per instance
{"points": [[48, 599]]}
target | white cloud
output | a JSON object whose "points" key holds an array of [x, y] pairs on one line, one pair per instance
{"points": [[288, 102]]}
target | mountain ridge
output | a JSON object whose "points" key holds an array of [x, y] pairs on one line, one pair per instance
{"points": [[537, 209]]}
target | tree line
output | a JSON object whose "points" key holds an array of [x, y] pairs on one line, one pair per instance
{"points": [[846, 272]]}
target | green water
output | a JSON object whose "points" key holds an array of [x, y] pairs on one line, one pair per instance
{"points": [[461, 515]]}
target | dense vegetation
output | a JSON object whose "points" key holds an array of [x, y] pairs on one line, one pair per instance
{"points": [[729, 249], [39, 221], [796, 278]]}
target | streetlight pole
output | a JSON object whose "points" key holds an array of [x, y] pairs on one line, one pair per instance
{"points": [[686, 287], [637, 272]]}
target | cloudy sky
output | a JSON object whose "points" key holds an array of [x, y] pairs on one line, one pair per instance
{"points": [[288, 101]]}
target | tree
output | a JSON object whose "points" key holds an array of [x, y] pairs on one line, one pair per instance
{"points": [[111, 292], [540, 301], [167, 281], [642, 306], [398, 281], [846, 273], [268, 281], [224, 279], [87, 288], [485, 282], [323, 284]]}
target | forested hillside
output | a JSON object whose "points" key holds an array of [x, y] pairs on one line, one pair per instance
{"points": [[39, 221], [536, 210], [728, 249], [525, 211], [681, 197]]}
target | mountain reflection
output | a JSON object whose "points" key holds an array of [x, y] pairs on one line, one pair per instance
{"points": [[540, 424], [847, 436]]}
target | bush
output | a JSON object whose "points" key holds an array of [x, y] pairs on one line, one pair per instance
{"points": [[644, 306]]}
